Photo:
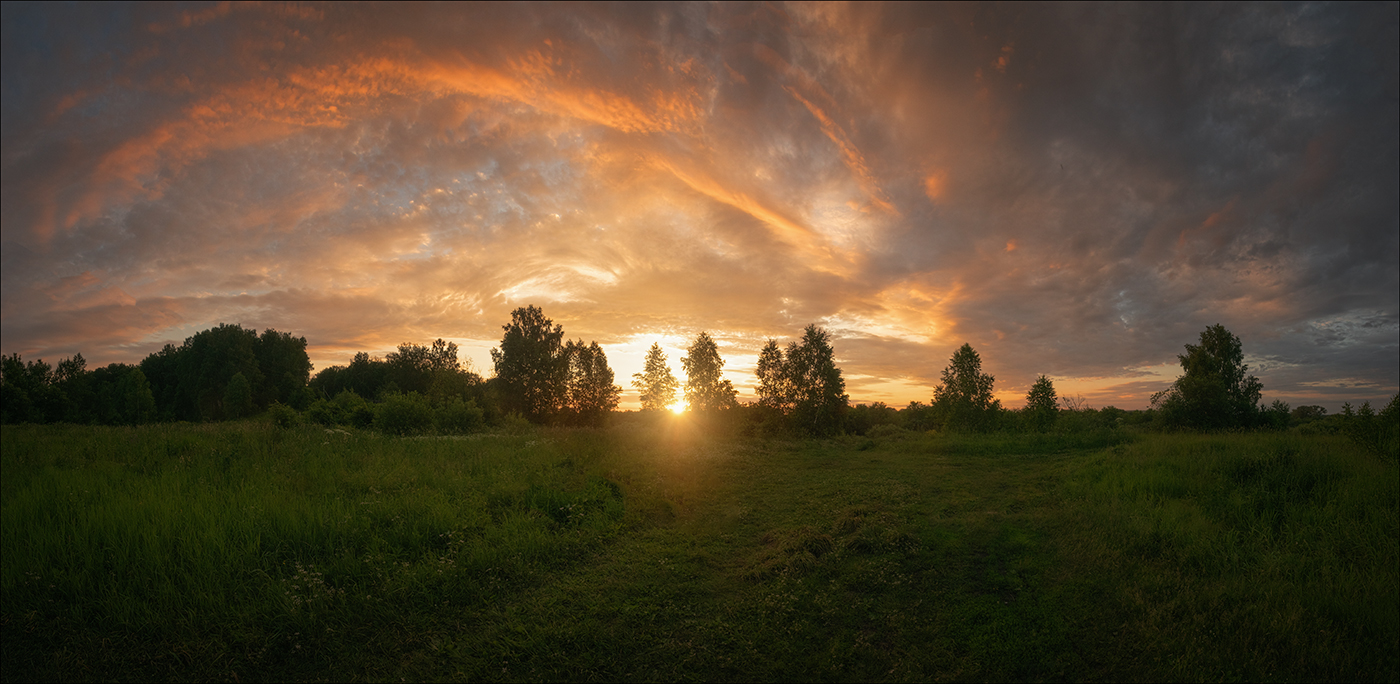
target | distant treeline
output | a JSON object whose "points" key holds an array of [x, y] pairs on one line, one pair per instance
{"points": [[228, 373], [222, 373]]}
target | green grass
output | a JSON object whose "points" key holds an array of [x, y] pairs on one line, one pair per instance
{"points": [[674, 551]]}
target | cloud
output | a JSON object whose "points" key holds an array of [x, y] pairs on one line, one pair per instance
{"points": [[1074, 190]]}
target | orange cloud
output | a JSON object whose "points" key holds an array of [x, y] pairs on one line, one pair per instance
{"points": [[935, 184]]}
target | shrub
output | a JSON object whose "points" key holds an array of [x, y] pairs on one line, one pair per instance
{"points": [[514, 424], [347, 408], [886, 431], [458, 417], [861, 419], [283, 416], [404, 414]]}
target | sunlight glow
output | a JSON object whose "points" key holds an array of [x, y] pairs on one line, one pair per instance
{"points": [[678, 407]]}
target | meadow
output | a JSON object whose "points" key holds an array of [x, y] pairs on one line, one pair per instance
{"points": [[671, 549]]}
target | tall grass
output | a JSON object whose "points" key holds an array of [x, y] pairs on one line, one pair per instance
{"points": [[260, 539], [666, 549], [1280, 552]]}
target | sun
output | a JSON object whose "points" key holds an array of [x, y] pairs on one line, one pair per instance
{"points": [[678, 407]]}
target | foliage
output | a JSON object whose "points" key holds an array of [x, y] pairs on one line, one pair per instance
{"points": [[591, 392], [457, 417], [31, 391], [1306, 414], [531, 367], [428, 370], [1214, 391], [1377, 432], [238, 397], [803, 384], [917, 416], [285, 368], [347, 408], [34, 392], [403, 414], [1042, 406], [773, 390], [963, 401], [283, 416], [190, 382], [657, 384], [706, 389], [818, 392], [862, 419]]}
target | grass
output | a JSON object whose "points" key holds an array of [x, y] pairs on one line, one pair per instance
{"points": [[673, 551]]}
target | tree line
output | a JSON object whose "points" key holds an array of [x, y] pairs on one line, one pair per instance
{"points": [[223, 373], [229, 372]]}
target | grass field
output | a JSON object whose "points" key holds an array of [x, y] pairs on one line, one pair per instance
{"points": [[671, 550]]}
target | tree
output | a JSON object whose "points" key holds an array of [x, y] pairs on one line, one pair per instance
{"points": [[705, 387], [773, 390], [657, 384], [1214, 390], [238, 397], [285, 367], [1041, 404], [817, 392], [531, 368], [592, 394], [963, 401]]}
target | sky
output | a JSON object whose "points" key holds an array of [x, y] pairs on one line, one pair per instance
{"points": [[1074, 190]]}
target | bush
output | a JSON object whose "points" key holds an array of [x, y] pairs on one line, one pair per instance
{"points": [[886, 431], [404, 414], [1377, 432], [861, 419], [283, 416], [515, 424], [457, 417], [347, 408]]}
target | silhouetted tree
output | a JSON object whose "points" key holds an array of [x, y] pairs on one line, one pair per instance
{"points": [[366, 376], [774, 391], [285, 368], [29, 392], [1307, 414], [592, 394], [238, 397], [190, 382], [531, 369], [162, 370], [1042, 406], [115, 395], [706, 389], [656, 382], [964, 399], [433, 371], [1214, 391], [817, 392]]}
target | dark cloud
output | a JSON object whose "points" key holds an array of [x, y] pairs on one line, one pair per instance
{"points": [[1076, 190]]}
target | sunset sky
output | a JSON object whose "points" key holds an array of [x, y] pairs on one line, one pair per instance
{"points": [[1075, 190]]}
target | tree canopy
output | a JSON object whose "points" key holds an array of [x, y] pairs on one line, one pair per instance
{"points": [[531, 368], [963, 401], [817, 392], [1214, 390], [1042, 406], [773, 390], [657, 384], [706, 389], [591, 392]]}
